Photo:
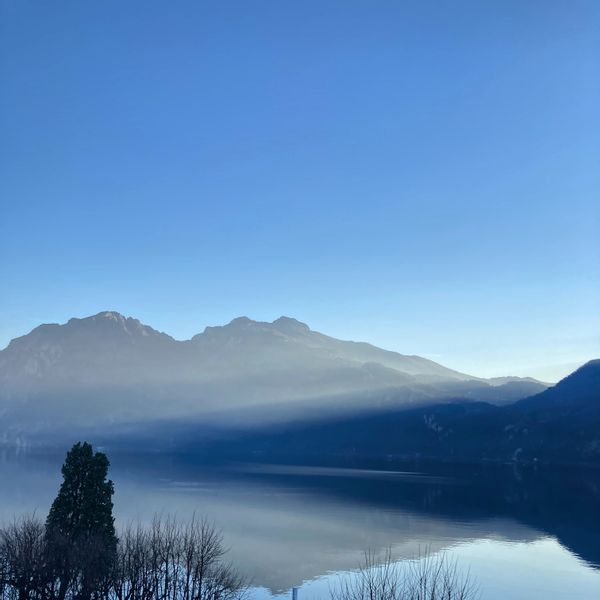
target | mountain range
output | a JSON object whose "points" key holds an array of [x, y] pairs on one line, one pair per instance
{"points": [[560, 425], [107, 370], [281, 391]]}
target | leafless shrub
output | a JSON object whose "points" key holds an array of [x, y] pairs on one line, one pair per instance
{"points": [[172, 561], [23, 573], [427, 577], [167, 561]]}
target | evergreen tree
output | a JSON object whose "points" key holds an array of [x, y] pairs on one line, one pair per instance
{"points": [[80, 531]]}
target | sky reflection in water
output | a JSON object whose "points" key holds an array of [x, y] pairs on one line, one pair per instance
{"points": [[522, 535]]}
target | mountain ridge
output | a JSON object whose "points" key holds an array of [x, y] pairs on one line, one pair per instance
{"points": [[283, 324], [558, 426], [108, 368]]}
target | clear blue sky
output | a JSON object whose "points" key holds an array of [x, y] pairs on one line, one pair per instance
{"points": [[421, 175]]}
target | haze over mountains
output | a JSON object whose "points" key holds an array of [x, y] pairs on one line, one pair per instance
{"points": [[107, 370], [558, 425]]}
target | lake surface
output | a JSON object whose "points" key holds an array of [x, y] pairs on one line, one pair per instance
{"points": [[523, 534]]}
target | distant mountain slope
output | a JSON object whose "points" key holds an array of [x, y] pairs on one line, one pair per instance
{"points": [[579, 391], [285, 336], [559, 425], [108, 369]]}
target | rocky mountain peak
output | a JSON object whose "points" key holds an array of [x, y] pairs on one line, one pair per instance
{"points": [[288, 324]]}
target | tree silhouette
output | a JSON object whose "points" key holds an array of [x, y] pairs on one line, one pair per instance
{"points": [[80, 531], [76, 555]]}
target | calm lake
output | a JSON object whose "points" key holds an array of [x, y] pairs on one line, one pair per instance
{"points": [[524, 534]]}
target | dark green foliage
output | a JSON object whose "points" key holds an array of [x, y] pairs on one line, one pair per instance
{"points": [[80, 531], [83, 507]]}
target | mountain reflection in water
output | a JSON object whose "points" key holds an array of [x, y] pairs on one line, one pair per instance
{"points": [[289, 525]]}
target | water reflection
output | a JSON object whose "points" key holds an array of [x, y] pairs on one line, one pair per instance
{"points": [[289, 525]]}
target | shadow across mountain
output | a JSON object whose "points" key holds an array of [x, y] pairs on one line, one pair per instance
{"points": [[108, 370], [559, 426]]}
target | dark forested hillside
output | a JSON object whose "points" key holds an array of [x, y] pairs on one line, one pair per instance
{"points": [[560, 425]]}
